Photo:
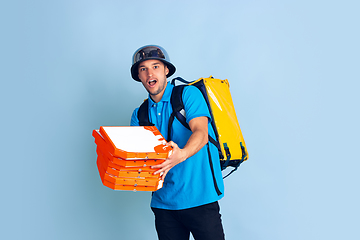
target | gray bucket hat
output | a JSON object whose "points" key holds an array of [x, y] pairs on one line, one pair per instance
{"points": [[150, 52]]}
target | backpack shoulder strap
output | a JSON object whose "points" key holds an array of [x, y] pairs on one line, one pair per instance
{"points": [[180, 79], [178, 105], [178, 109], [143, 114]]}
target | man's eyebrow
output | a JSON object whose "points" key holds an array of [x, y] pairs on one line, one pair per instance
{"points": [[157, 63]]}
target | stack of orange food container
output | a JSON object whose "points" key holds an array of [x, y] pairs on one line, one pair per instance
{"points": [[126, 154]]}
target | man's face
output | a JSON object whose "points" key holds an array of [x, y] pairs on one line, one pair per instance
{"points": [[152, 74]]}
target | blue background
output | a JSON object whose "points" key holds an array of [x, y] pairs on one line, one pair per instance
{"points": [[293, 68]]}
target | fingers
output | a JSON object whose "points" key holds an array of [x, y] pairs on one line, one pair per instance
{"points": [[165, 167], [158, 166], [164, 175], [172, 144], [162, 165], [162, 168]]}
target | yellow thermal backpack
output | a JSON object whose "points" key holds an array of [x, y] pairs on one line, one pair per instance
{"points": [[229, 139]]}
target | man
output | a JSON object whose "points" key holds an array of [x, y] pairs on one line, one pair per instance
{"points": [[188, 200]]}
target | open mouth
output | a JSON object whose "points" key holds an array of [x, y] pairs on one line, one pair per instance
{"points": [[152, 82]]}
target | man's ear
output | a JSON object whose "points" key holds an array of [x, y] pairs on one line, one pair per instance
{"points": [[166, 70]]}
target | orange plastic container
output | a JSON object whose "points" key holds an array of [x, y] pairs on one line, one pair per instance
{"points": [[126, 154], [128, 184], [159, 151], [131, 188], [124, 173], [127, 181], [127, 163], [107, 163]]}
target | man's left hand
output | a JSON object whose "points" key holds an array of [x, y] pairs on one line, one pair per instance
{"points": [[178, 155]]}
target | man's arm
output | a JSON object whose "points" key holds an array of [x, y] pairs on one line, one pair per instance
{"points": [[197, 140]]}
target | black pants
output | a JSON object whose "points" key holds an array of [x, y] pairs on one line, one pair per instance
{"points": [[204, 222]]}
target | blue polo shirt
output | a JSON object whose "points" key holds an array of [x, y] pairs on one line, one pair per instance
{"points": [[190, 183]]}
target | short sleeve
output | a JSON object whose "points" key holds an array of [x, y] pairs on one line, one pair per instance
{"points": [[194, 104]]}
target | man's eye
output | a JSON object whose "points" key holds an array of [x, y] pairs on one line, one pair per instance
{"points": [[155, 67], [142, 69]]}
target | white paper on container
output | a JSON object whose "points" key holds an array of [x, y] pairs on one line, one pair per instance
{"points": [[134, 139]]}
